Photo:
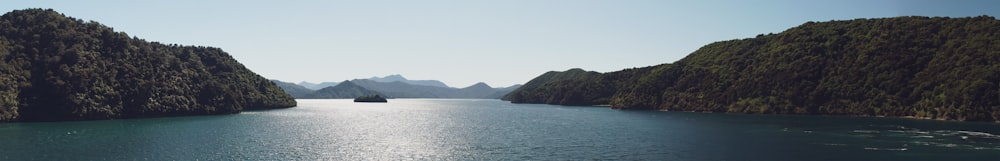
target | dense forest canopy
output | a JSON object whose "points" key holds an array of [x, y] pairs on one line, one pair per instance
{"points": [[939, 68], [56, 68]]}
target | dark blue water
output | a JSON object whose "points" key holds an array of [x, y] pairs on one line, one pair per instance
{"points": [[461, 129]]}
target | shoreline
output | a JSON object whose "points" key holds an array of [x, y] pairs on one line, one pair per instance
{"points": [[870, 116]]}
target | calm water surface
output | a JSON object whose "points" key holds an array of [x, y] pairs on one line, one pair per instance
{"points": [[469, 129]]}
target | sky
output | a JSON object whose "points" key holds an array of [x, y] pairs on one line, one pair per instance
{"points": [[462, 42]]}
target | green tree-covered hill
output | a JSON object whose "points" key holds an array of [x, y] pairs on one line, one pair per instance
{"points": [[939, 68], [56, 68]]}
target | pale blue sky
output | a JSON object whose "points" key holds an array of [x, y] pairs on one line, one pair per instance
{"points": [[462, 42]]}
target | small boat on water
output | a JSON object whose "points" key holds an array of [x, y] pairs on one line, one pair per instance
{"points": [[371, 98]]}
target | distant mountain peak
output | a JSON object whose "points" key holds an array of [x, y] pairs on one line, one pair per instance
{"points": [[389, 78], [576, 70], [395, 76], [347, 82], [479, 85]]}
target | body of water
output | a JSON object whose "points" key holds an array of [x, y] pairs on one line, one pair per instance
{"points": [[473, 129]]}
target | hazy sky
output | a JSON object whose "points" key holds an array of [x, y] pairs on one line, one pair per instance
{"points": [[461, 42]]}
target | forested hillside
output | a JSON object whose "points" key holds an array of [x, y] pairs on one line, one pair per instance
{"points": [[57, 68], [939, 68]]}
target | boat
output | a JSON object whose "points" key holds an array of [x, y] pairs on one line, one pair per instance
{"points": [[371, 98]]}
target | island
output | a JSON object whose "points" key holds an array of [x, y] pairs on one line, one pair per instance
{"points": [[371, 98]]}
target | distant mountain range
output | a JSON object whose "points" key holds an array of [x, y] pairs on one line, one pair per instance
{"points": [[400, 78], [392, 86], [316, 86], [386, 79], [345, 89], [293, 89]]}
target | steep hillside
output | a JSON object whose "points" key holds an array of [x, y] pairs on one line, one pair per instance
{"points": [[574, 87], [939, 68], [58, 68]]}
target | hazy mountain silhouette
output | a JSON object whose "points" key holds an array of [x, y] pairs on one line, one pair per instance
{"points": [[399, 89], [315, 86], [400, 78], [397, 86], [478, 90], [293, 89], [345, 89]]}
